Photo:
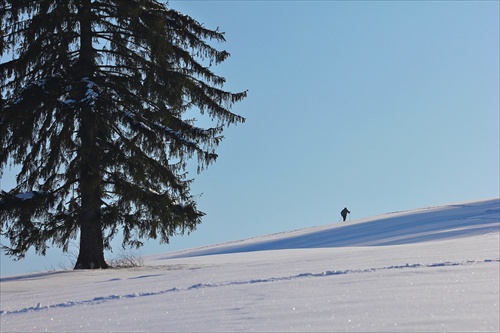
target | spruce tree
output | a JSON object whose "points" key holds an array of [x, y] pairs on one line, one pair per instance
{"points": [[94, 96]]}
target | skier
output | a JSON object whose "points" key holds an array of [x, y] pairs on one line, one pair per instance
{"points": [[344, 213]]}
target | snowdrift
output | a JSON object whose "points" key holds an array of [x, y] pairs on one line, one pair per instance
{"points": [[433, 269], [420, 225]]}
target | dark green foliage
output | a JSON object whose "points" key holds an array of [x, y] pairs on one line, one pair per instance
{"points": [[93, 102]]}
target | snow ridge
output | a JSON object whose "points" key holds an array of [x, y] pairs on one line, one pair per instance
{"points": [[397, 228]]}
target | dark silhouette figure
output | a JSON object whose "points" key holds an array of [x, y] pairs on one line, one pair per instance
{"points": [[344, 213]]}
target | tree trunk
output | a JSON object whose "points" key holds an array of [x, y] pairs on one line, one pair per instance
{"points": [[91, 253], [91, 238]]}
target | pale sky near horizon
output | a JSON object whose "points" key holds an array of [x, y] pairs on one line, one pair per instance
{"points": [[379, 106]]}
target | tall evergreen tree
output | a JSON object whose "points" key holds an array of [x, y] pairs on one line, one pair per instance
{"points": [[93, 103]]}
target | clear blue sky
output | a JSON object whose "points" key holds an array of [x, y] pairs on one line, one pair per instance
{"points": [[377, 106]]}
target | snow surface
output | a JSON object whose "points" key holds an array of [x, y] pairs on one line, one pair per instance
{"points": [[27, 195], [432, 269]]}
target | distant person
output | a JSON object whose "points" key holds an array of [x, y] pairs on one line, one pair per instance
{"points": [[344, 213]]}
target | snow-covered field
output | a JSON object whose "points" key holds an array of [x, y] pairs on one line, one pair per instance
{"points": [[431, 269]]}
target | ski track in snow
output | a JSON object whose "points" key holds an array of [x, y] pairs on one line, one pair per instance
{"points": [[110, 298]]}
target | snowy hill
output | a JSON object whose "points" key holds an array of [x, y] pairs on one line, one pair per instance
{"points": [[434, 223], [431, 269]]}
